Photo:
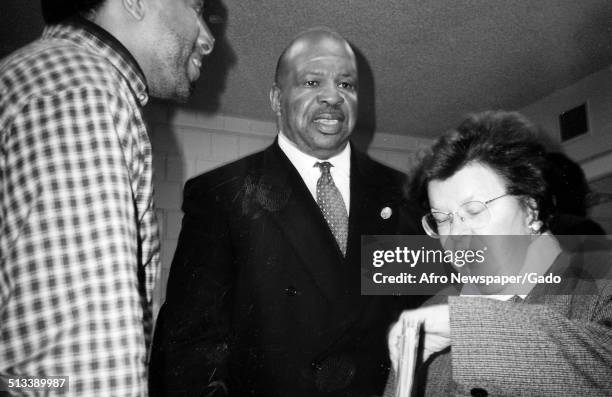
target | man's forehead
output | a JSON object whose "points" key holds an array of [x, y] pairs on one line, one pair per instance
{"points": [[315, 47]]}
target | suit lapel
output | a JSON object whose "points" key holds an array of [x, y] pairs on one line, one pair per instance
{"points": [[374, 206], [303, 224], [371, 192]]}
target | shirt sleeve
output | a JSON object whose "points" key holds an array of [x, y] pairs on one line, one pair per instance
{"points": [[70, 286]]}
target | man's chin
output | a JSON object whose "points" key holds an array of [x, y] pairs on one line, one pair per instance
{"points": [[175, 97], [177, 91], [184, 91], [185, 95], [332, 144]]}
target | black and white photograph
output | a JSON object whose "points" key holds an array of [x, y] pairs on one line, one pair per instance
{"points": [[281, 198]]}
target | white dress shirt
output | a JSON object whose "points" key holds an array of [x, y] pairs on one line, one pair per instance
{"points": [[310, 173]]}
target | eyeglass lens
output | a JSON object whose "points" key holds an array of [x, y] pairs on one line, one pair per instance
{"points": [[473, 213]]}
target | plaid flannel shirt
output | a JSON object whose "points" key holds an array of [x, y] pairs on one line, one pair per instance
{"points": [[79, 246]]}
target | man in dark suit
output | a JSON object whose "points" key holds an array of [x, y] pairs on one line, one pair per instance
{"points": [[263, 297]]}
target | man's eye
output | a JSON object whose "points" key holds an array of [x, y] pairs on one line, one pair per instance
{"points": [[346, 85], [311, 83]]}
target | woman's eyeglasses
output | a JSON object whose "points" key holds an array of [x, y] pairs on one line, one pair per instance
{"points": [[475, 214]]}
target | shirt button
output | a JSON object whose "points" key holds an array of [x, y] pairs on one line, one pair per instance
{"points": [[478, 392], [142, 97], [291, 291]]}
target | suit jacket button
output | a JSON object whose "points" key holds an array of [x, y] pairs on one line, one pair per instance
{"points": [[478, 392], [291, 291]]}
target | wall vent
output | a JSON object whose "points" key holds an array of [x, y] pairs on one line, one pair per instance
{"points": [[574, 122]]}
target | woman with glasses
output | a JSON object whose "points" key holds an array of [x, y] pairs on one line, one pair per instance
{"points": [[484, 185]]}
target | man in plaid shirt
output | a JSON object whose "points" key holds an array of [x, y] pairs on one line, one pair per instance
{"points": [[79, 248]]}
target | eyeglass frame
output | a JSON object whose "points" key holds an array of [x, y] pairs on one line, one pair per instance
{"points": [[451, 215]]}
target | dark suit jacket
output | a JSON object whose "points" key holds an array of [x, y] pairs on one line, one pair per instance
{"points": [[557, 342], [259, 297]]}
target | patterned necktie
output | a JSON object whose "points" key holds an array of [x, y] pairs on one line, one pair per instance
{"points": [[331, 203]]}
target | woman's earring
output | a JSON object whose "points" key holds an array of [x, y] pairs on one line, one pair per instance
{"points": [[535, 226]]}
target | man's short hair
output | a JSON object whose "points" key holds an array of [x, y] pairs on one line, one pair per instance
{"points": [[280, 64], [55, 11]]}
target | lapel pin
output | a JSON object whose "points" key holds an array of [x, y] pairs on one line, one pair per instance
{"points": [[385, 213]]}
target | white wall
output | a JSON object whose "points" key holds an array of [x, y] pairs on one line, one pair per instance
{"points": [[594, 150], [588, 149], [187, 143]]}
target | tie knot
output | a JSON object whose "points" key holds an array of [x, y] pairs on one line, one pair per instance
{"points": [[324, 166]]}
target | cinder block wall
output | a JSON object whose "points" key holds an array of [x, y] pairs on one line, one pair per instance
{"points": [[187, 143]]}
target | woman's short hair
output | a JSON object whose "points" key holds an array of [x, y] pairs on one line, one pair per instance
{"points": [[505, 142], [55, 11]]}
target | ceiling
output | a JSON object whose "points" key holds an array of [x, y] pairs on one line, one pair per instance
{"points": [[423, 64]]}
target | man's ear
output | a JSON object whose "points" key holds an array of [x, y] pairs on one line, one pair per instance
{"points": [[275, 93], [136, 8]]}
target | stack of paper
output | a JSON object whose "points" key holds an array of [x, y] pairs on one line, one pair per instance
{"points": [[409, 347]]}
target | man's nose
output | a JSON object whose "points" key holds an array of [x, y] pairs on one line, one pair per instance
{"points": [[329, 94], [206, 41]]}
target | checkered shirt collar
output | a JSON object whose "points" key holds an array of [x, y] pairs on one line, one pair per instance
{"points": [[83, 32]]}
